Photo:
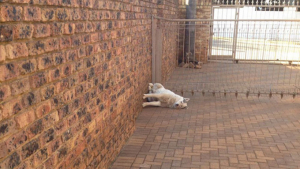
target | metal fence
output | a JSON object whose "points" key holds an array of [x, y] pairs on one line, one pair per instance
{"points": [[240, 56]]}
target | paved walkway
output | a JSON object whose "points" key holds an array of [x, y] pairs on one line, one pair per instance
{"points": [[216, 132]]}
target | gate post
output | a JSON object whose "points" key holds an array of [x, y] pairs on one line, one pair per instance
{"points": [[157, 47]]}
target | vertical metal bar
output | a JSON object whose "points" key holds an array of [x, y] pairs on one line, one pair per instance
{"points": [[263, 54], [236, 24], [257, 49], [297, 74], [288, 50], [188, 56], [183, 42], [296, 84], [154, 26], [178, 43], [195, 40]]}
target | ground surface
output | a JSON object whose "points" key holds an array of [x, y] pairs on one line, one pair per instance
{"points": [[217, 132]]}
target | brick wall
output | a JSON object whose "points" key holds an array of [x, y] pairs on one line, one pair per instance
{"points": [[72, 73]]}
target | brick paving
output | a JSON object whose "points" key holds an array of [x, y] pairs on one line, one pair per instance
{"points": [[216, 132]]}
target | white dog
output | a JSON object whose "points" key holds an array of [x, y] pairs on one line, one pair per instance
{"points": [[164, 97]]}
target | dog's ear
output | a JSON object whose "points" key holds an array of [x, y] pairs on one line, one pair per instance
{"points": [[185, 100]]}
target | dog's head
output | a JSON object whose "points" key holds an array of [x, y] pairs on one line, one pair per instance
{"points": [[181, 104]]}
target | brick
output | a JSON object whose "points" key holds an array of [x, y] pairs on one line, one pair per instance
{"points": [[57, 29], [11, 107], [67, 70], [72, 55], [5, 92], [2, 53], [41, 30], [68, 96], [31, 98], [86, 39], [51, 119], [48, 136], [3, 150], [82, 52], [11, 13], [89, 50], [94, 37], [79, 163], [16, 140], [62, 85], [62, 14], [76, 41], [30, 148], [69, 28], [65, 42], [39, 2], [48, 15], [89, 27], [25, 118], [20, 86], [62, 152], [38, 80], [7, 127], [37, 47], [75, 14], [63, 111], [47, 92], [21, 1], [67, 135], [23, 31], [61, 127], [79, 27], [88, 3], [35, 128], [51, 44], [32, 13], [51, 162], [12, 161], [66, 2], [6, 33], [16, 50], [54, 2], [59, 58], [43, 109], [8, 71], [27, 66], [55, 74], [40, 156], [45, 61]]}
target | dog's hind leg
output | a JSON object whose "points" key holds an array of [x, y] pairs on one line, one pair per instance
{"points": [[158, 103]]}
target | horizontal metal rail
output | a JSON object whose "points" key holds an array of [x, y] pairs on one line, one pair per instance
{"points": [[224, 20]]}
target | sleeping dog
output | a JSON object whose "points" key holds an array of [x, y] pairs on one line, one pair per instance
{"points": [[159, 96]]}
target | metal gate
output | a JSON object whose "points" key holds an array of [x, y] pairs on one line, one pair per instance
{"points": [[238, 55]]}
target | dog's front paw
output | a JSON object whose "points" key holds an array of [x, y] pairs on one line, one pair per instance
{"points": [[144, 104], [144, 97]]}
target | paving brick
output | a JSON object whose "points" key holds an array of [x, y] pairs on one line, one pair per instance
{"points": [[219, 140]]}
